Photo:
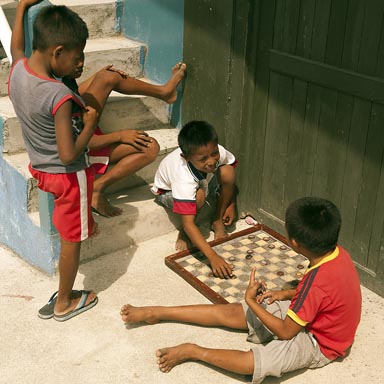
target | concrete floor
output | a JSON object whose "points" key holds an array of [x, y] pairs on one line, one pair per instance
{"points": [[96, 347]]}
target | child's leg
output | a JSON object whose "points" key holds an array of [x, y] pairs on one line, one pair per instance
{"points": [[225, 211], [231, 360], [68, 267], [126, 160], [220, 315], [97, 88]]}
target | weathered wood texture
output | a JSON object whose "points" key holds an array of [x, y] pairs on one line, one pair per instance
{"points": [[308, 113]]}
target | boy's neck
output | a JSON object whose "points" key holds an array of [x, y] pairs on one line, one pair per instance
{"points": [[39, 63], [316, 259]]}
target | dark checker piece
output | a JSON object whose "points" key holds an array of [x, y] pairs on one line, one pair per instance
{"points": [[279, 266]]}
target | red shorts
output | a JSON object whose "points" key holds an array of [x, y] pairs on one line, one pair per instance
{"points": [[99, 158], [72, 215]]}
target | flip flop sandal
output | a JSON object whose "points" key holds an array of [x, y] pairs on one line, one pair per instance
{"points": [[47, 312], [80, 308]]}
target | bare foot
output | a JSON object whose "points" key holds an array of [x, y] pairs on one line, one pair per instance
{"points": [[131, 314], [167, 358], [182, 242], [219, 228], [61, 308], [178, 73], [101, 205]]}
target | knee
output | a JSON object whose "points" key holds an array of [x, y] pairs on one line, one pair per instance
{"points": [[153, 150], [226, 175], [107, 78]]}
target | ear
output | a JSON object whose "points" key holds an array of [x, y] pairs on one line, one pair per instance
{"points": [[58, 51], [185, 157]]}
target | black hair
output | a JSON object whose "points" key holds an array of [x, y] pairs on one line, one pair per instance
{"points": [[196, 134], [58, 25], [314, 223]]}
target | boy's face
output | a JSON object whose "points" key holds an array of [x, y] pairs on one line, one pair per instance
{"points": [[69, 63], [204, 158]]}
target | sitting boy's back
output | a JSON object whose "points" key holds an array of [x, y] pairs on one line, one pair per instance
{"points": [[328, 298], [328, 303]]}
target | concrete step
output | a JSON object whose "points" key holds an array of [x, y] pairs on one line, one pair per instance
{"points": [[4, 73], [20, 163], [142, 219], [101, 16], [123, 53], [133, 112]]}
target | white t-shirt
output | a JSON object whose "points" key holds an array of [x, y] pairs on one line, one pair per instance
{"points": [[180, 177]]}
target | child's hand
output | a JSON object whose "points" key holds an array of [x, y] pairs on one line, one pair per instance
{"points": [[229, 214], [137, 139], [90, 117], [221, 268], [272, 296], [255, 287]]}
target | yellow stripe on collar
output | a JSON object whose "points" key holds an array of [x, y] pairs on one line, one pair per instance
{"points": [[330, 257]]}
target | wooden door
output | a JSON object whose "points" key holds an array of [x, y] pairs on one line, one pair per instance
{"points": [[317, 110]]}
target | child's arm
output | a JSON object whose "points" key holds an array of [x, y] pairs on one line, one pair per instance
{"points": [[219, 266], [17, 39], [70, 150], [138, 139], [283, 329]]}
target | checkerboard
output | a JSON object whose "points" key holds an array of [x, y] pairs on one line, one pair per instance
{"points": [[277, 264]]}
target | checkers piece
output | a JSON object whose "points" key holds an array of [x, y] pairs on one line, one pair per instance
{"points": [[300, 266], [266, 238], [283, 247], [249, 252], [248, 257], [264, 262], [271, 246], [280, 273], [232, 258], [250, 237]]}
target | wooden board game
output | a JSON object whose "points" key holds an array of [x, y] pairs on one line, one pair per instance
{"points": [[277, 264]]}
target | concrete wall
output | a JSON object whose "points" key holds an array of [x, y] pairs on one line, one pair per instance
{"points": [[159, 24], [17, 230]]}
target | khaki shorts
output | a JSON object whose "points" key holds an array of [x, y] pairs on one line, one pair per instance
{"points": [[280, 356]]}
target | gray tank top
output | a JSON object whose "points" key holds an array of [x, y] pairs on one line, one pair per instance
{"points": [[36, 100]]}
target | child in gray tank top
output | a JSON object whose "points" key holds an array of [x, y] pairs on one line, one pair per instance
{"points": [[57, 126]]}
